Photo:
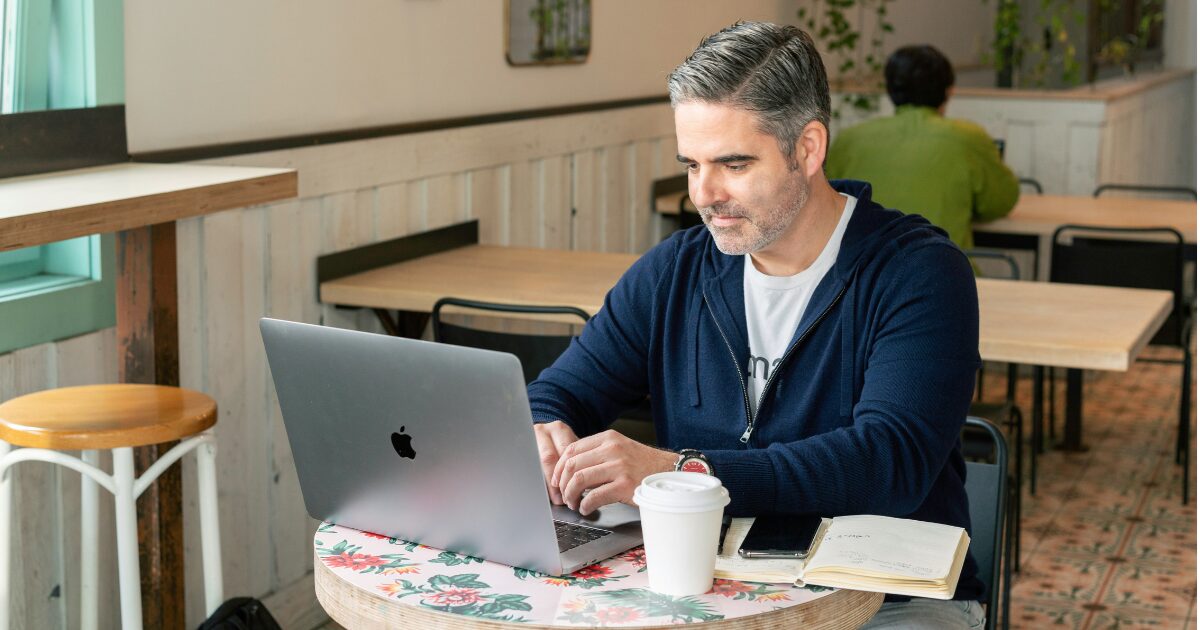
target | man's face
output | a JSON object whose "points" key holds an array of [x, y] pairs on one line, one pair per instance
{"points": [[746, 189]]}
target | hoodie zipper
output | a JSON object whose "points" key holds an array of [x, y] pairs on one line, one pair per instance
{"points": [[750, 418], [737, 368]]}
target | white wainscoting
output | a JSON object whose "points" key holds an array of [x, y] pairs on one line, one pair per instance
{"points": [[1143, 133]]}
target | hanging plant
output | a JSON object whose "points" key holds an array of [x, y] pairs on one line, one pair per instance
{"points": [[828, 21]]}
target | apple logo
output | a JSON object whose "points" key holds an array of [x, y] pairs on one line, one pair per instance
{"points": [[402, 442]]}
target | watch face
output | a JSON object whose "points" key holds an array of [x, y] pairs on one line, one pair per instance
{"points": [[694, 465]]}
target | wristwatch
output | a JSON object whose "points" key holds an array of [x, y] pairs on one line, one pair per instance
{"points": [[691, 460]]}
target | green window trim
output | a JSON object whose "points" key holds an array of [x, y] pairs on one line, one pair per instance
{"points": [[54, 306], [58, 55]]}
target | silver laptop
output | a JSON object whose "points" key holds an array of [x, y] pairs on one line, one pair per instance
{"points": [[430, 443]]}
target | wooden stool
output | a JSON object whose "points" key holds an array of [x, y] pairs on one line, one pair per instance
{"points": [[116, 417]]}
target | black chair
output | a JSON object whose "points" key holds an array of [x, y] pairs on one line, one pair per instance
{"points": [[988, 494], [1179, 191], [673, 185], [1031, 182], [1143, 258], [1006, 413], [536, 351]]}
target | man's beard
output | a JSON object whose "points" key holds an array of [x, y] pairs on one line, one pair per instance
{"points": [[753, 235]]}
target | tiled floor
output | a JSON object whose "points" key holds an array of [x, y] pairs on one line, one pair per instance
{"points": [[1106, 542]]}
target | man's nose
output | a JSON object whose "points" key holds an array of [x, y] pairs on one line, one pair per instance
{"points": [[706, 189]]}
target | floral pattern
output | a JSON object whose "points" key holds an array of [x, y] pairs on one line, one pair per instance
{"points": [[345, 556], [612, 593]]}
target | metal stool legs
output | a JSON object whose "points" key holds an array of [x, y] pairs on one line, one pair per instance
{"points": [[125, 506], [89, 547], [210, 532], [125, 487]]}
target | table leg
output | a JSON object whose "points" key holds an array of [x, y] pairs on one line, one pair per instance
{"points": [[148, 345], [1073, 424], [1035, 445]]}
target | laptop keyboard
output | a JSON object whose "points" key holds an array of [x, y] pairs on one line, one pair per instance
{"points": [[571, 535]]}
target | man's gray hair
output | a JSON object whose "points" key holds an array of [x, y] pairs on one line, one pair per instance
{"points": [[774, 71]]}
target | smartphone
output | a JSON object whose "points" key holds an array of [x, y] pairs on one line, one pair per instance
{"points": [[786, 536]]}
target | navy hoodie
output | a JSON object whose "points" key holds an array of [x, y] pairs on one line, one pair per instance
{"points": [[862, 415]]}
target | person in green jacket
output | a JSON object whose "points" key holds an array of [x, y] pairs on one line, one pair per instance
{"points": [[920, 162]]}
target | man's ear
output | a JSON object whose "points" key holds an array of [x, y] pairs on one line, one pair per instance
{"points": [[811, 147]]}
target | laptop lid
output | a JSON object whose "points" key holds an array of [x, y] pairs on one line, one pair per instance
{"points": [[419, 441]]}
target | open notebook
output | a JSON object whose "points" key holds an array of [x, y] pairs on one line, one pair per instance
{"points": [[864, 553]]}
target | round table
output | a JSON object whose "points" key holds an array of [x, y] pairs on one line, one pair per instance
{"points": [[365, 580]]}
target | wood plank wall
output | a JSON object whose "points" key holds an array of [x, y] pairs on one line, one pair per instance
{"points": [[520, 179]]}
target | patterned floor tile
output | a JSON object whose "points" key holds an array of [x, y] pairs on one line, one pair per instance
{"points": [[1072, 581], [1166, 542], [1151, 589], [1106, 542], [1122, 618]]}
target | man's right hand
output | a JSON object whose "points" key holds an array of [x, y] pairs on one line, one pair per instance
{"points": [[552, 439]]}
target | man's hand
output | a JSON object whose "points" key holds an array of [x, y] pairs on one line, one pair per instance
{"points": [[552, 439], [609, 466]]}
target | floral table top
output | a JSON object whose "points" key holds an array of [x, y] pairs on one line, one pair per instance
{"points": [[613, 593]]}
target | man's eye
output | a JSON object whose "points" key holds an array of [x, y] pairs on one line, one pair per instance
{"points": [[692, 167], [737, 168]]}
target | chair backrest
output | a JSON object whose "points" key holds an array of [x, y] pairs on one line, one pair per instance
{"points": [[1182, 192], [1139, 258], [987, 492], [536, 351], [1031, 182], [671, 185], [1005, 262]]}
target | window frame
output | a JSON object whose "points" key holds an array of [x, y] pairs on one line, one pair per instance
{"points": [[80, 297]]}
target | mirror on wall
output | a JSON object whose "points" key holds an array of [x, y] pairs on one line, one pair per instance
{"points": [[541, 32]]}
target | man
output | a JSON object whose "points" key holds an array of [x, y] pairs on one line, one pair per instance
{"points": [[918, 161], [809, 348]]}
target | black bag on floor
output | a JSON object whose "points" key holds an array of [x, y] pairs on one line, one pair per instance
{"points": [[241, 613]]}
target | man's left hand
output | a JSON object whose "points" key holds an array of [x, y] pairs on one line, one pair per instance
{"points": [[609, 466]]}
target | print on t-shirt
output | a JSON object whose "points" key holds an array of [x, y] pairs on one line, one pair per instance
{"points": [[775, 305]]}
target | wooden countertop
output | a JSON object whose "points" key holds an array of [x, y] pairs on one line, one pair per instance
{"points": [[1041, 214], [49, 207], [1104, 90]]}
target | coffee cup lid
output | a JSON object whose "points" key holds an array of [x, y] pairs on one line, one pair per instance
{"points": [[681, 492]]}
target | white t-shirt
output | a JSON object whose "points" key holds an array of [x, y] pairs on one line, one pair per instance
{"points": [[775, 304]]}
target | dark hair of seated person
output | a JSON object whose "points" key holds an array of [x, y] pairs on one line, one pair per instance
{"points": [[918, 75]]}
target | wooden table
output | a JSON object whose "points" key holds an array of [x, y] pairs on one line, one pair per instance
{"points": [[1066, 325], [141, 202], [1040, 324], [365, 580], [515, 275], [1032, 222]]}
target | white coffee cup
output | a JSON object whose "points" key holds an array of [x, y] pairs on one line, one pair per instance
{"points": [[681, 527]]}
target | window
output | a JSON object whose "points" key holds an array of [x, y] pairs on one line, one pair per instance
{"points": [[57, 55]]}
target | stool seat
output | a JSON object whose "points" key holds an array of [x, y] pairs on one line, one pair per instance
{"points": [[105, 416]]}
